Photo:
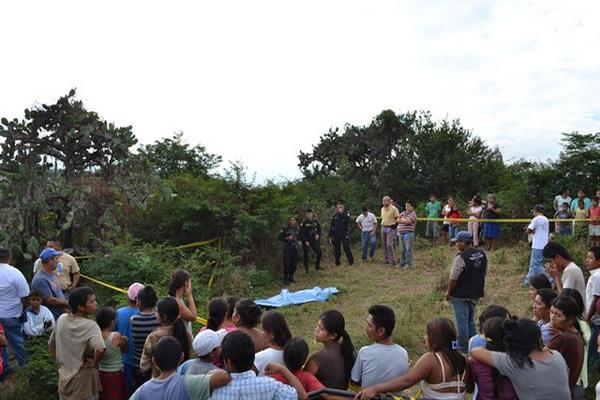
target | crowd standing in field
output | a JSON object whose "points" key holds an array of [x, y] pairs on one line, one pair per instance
{"points": [[148, 350]]}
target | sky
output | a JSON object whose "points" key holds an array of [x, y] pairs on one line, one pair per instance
{"points": [[258, 81]]}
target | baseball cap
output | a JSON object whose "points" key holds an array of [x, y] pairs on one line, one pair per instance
{"points": [[133, 290], [462, 236], [205, 342], [538, 208], [49, 253]]}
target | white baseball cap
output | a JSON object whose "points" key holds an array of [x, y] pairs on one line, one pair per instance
{"points": [[205, 342]]}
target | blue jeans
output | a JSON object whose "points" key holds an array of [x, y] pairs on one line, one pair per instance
{"points": [[464, 315], [536, 265], [365, 239], [452, 231], [406, 242], [14, 335], [592, 349]]}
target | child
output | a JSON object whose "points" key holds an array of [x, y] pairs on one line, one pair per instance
{"points": [[592, 295], [332, 364], [246, 315], [40, 320], [581, 213], [123, 326], [207, 345], [229, 325], [170, 385], [238, 355], [564, 228], [276, 334], [594, 228], [3, 343], [295, 353], [539, 281], [141, 326], [112, 375], [382, 360], [487, 313]]}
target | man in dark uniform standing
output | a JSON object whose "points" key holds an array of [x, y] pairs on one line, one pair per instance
{"points": [[310, 236], [289, 236], [338, 233]]}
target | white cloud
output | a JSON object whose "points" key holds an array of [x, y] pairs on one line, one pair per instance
{"points": [[259, 81]]}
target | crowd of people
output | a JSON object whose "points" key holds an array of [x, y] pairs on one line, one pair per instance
{"points": [[148, 349]]}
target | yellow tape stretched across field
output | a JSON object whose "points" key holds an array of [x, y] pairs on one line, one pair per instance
{"points": [[500, 220]]}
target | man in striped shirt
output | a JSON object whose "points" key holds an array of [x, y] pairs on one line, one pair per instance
{"points": [[141, 326], [407, 221]]}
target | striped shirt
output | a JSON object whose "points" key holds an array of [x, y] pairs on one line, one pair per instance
{"points": [[141, 326], [413, 222]]}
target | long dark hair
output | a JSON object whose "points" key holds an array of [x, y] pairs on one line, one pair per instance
{"points": [[521, 337], [249, 313], [494, 334], [274, 322], [568, 306], [442, 336], [231, 300], [178, 279], [334, 323], [168, 311], [217, 312]]}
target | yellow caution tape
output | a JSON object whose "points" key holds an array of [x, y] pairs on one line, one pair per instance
{"points": [[108, 285], [500, 220]]}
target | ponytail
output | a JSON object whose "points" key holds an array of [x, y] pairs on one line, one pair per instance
{"points": [[347, 351], [181, 334]]}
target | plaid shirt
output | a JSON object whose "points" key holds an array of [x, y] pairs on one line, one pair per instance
{"points": [[247, 386]]}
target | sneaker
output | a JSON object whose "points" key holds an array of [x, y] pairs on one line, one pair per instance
{"points": [[406, 266]]}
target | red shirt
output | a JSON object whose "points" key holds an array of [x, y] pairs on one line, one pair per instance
{"points": [[594, 213], [453, 214], [308, 380]]}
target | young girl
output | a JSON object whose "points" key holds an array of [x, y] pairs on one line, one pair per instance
{"points": [[112, 375], [332, 364], [170, 325], [541, 312], [490, 384], [276, 334], [246, 316], [229, 325], [217, 313], [475, 210], [536, 373], [295, 353], [581, 213], [442, 371], [567, 338], [181, 284]]}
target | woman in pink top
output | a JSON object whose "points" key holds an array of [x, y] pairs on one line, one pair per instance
{"points": [[490, 384]]}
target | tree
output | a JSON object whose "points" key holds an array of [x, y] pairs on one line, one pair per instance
{"points": [[579, 161], [171, 156]]}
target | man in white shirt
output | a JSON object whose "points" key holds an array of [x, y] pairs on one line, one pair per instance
{"points": [[565, 272], [540, 228], [367, 223], [13, 293]]}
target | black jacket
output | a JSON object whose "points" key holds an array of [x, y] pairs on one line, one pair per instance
{"points": [[339, 224], [308, 230], [287, 231]]}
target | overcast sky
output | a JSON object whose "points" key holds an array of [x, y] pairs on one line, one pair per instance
{"points": [[258, 81]]}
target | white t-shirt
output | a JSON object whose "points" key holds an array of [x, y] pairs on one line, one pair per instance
{"points": [[379, 363], [13, 287], [368, 223], [269, 355], [560, 200], [593, 289], [572, 278], [475, 210], [541, 231]]}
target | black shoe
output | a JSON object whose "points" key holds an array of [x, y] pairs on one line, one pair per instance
{"points": [[337, 264], [286, 282], [306, 269], [318, 267], [291, 279]]}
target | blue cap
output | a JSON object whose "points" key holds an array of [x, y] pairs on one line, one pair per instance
{"points": [[462, 236], [49, 253]]}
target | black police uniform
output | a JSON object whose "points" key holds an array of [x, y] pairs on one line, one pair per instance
{"points": [[338, 232], [309, 229], [289, 237]]}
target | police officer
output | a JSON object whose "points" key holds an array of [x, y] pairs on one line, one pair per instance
{"points": [[338, 233], [310, 236], [289, 236]]}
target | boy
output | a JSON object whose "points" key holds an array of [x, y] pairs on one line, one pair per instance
{"points": [[39, 318], [433, 209], [123, 326], [171, 386], [562, 269], [383, 360], [237, 352], [592, 295], [564, 228], [207, 345]]}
